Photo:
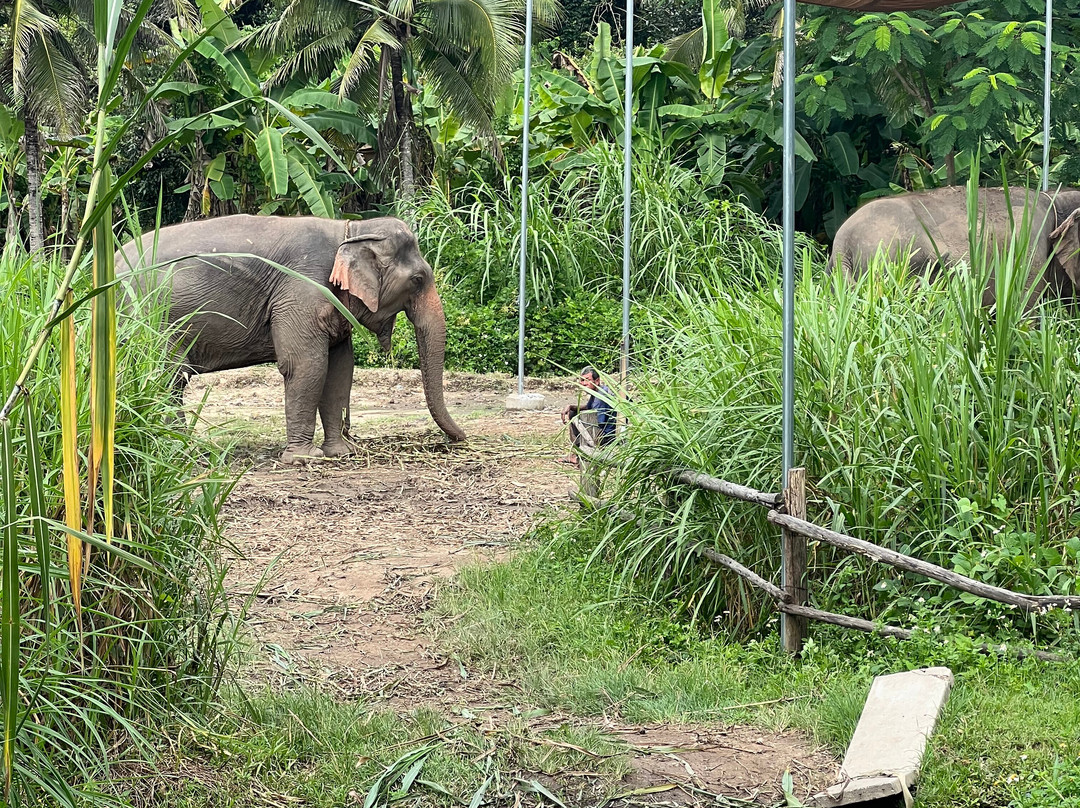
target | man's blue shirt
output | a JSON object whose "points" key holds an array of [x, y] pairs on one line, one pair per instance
{"points": [[605, 414]]}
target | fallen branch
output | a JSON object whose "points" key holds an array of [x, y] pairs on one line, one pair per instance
{"points": [[696, 478], [844, 621], [783, 603]]}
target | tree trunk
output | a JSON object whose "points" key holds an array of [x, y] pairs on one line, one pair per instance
{"points": [[13, 210], [950, 168], [403, 113], [33, 182]]}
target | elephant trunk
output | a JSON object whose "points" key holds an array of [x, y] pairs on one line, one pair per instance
{"points": [[426, 314]]}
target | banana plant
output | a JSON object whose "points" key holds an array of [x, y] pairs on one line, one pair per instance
{"points": [[286, 133]]}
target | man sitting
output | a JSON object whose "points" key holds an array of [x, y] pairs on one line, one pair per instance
{"points": [[598, 407]]}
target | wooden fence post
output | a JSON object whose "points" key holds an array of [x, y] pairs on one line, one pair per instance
{"points": [[794, 577]]}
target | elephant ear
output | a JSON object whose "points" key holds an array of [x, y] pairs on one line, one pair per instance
{"points": [[356, 271]]}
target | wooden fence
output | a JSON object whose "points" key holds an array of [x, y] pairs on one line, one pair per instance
{"points": [[788, 512]]}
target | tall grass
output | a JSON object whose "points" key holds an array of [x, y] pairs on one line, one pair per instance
{"points": [[154, 635], [575, 230], [927, 422]]}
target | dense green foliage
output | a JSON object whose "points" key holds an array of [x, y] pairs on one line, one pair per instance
{"points": [[927, 423], [155, 632]]}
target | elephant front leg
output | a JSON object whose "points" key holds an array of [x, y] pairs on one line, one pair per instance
{"points": [[334, 406], [304, 373]]}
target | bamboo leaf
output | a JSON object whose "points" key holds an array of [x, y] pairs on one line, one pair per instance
{"points": [[103, 370], [9, 611], [36, 489], [270, 148]]}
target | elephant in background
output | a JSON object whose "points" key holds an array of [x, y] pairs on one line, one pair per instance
{"points": [[935, 223], [232, 308]]}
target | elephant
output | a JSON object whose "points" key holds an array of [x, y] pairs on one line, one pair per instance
{"points": [[230, 307], [935, 223]]}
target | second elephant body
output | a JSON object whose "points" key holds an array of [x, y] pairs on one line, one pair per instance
{"points": [[932, 228]]}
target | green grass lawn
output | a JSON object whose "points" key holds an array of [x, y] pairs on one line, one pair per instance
{"points": [[1010, 735]]}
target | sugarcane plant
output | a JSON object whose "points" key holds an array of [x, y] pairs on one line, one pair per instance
{"points": [[87, 522]]}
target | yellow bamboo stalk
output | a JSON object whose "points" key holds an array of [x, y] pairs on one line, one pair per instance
{"points": [[69, 437]]}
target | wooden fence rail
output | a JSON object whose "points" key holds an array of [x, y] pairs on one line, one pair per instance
{"points": [[791, 598], [1029, 603]]}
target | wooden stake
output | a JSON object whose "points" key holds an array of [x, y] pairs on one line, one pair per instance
{"points": [[793, 628]]}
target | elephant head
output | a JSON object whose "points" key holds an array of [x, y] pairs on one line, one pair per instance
{"points": [[379, 265]]}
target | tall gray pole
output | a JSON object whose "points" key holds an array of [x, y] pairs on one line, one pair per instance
{"points": [[788, 375], [524, 195], [1046, 94], [628, 123], [792, 547]]}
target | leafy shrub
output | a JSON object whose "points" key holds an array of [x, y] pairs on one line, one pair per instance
{"points": [[584, 328]]}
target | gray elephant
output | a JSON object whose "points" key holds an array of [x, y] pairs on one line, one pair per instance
{"points": [[935, 223], [235, 310]]}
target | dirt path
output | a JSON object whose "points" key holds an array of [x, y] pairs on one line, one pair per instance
{"points": [[339, 559]]}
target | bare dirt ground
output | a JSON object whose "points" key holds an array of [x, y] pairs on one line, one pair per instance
{"points": [[337, 560]]}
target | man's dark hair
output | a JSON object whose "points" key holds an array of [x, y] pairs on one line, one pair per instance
{"points": [[590, 372]]}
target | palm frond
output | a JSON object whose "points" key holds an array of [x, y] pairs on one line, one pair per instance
{"points": [[364, 55], [490, 29], [318, 55], [459, 95], [688, 48], [54, 88], [28, 25], [185, 12]]}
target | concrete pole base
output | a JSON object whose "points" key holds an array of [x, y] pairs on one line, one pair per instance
{"points": [[525, 401]]}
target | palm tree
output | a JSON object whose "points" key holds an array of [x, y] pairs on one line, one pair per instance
{"points": [[47, 82], [45, 49], [466, 51]]}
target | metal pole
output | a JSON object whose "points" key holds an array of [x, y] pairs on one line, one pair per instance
{"points": [[524, 195], [1046, 94], [628, 122], [788, 374], [788, 416]]}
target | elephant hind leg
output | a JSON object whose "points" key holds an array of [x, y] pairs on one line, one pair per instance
{"points": [[334, 405]]}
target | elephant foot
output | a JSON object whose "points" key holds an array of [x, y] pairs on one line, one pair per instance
{"points": [[338, 448], [299, 454]]}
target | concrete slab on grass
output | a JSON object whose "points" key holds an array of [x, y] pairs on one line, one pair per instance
{"points": [[887, 748], [861, 790], [525, 401]]}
